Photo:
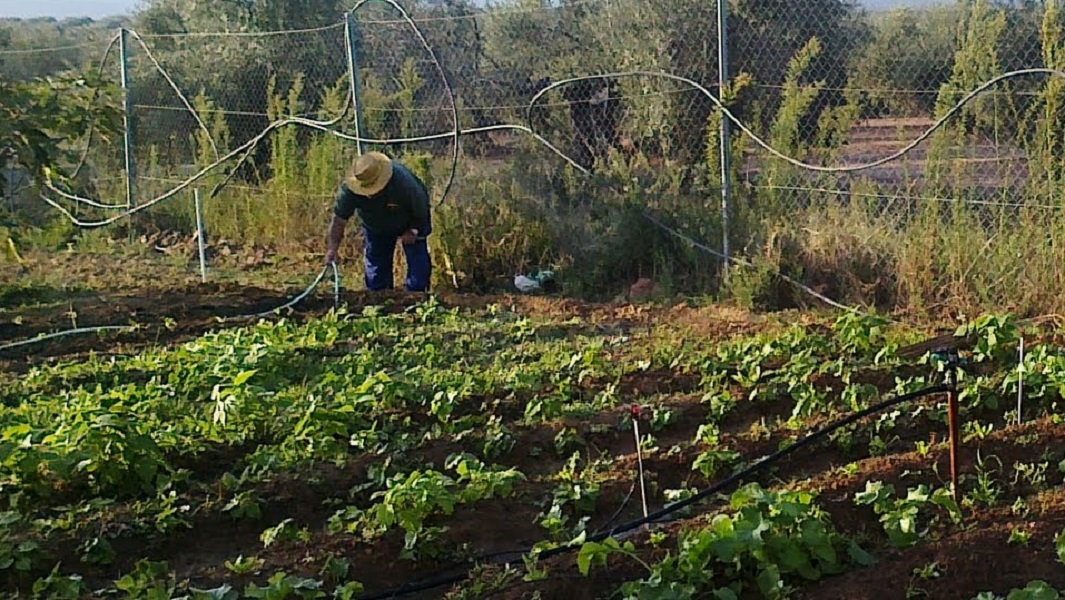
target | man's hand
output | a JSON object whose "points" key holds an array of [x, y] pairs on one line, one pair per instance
{"points": [[409, 237], [330, 256]]}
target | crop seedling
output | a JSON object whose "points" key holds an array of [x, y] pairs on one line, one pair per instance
{"points": [[769, 539], [902, 518], [399, 427]]}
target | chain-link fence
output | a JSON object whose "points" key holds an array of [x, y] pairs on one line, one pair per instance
{"points": [[822, 82]]}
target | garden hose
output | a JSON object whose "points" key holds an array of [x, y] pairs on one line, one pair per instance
{"points": [[299, 298]]}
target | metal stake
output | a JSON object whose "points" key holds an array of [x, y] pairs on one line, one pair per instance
{"points": [[1020, 381], [201, 237], [952, 416], [639, 455]]}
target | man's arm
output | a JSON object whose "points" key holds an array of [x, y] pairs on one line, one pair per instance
{"points": [[343, 209], [333, 238], [420, 207]]}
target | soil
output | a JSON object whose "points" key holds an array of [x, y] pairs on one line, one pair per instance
{"points": [[193, 312], [180, 312]]}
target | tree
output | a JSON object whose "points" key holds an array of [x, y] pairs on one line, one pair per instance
{"points": [[680, 38], [55, 46], [909, 58], [42, 119]]}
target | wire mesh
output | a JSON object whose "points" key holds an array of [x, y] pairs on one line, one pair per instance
{"points": [[238, 86], [823, 81], [848, 87]]}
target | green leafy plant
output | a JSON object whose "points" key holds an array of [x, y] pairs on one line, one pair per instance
{"points": [[282, 585], [244, 566], [996, 336], [149, 579], [59, 587], [902, 517], [410, 500], [17, 555], [577, 490], [769, 539], [1035, 590]]}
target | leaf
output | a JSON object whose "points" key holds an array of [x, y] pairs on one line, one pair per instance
{"points": [[1059, 545], [907, 524], [824, 550], [918, 494], [1035, 590], [858, 555], [580, 538], [875, 491], [728, 546], [348, 590], [769, 582], [243, 377], [593, 553], [146, 469], [225, 592]]}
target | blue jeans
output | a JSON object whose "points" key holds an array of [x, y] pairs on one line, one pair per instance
{"points": [[377, 257]]}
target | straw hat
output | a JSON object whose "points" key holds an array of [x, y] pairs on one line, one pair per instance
{"points": [[369, 174]]}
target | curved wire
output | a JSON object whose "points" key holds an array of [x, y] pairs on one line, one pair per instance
{"points": [[92, 125], [248, 146], [326, 126], [299, 298], [938, 124], [181, 96]]}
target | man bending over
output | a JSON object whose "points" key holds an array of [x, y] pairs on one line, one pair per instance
{"points": [[392, 203]]}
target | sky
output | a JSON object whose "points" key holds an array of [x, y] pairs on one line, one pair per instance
{"points": [[59, 9], [97, 9]]}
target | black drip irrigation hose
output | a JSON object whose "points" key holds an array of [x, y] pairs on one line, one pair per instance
{"points": [[624, 503], [416, 587]]}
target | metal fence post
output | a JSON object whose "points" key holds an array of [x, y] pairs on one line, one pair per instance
{"points": [[127, 119], [726, 148], [353, 68]]}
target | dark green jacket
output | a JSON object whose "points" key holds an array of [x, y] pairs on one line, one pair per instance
{"points": [[403, 204]]}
